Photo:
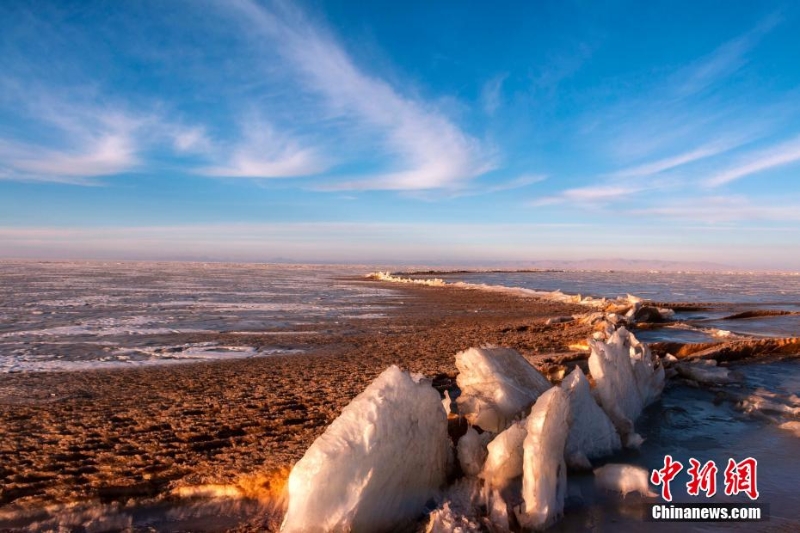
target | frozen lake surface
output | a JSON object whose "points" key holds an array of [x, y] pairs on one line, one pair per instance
{"points": [[63, 316]]}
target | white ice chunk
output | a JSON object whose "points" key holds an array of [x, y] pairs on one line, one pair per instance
{"points": [[497, 384], [627, 378], [472, 452], [376, 465], [591, 434], [504, 461], [459, 511], [544, 478], [666, 313], [792, 426], [624, 479], [762, 402], [705, 371], [447, 520], [498, 512], [647, 369]]}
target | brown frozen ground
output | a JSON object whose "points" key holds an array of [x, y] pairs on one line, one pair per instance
{"points": [[142, 433]]}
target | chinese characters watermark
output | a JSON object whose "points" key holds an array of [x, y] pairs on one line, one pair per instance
{"points": [[739, 477]]}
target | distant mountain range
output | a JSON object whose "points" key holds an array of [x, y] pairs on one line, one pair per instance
{"points": [[631, 264], [628, 265]]}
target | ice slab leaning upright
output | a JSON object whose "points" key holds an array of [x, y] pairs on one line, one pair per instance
{"points": [[627, 379], [497, 384], [505, 457], [376, 465], [544, 474], [647, 369], [591, 434]]}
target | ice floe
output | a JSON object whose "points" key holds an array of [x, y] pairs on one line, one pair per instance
{"points": [[792, 426], [497, 385], [544, 473], [369, 470], [458, 509], [505, 455], [377, 464], [628, 378], [22, 360], [591, 434], [704, 371], [472, 451], [624, 479]]}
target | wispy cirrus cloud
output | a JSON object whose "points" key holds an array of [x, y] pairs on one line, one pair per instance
{"points": [[674, 161], [722, 62], [491, 94], [593, 194], [264, 153], [83, 136], [88, 142], [105, 155], [680, 108], [190, 139], [516, 183], [720, 209], [481, 188], [758, 161], [428, 149]]}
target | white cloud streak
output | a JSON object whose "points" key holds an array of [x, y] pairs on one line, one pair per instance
{"points": [[594, 194], [722, 62], [83, 138], [102, 156], [755, 162], [434, 152], [491, 95], [93, 141], [720, 209], [669, 163], [265, 154]]}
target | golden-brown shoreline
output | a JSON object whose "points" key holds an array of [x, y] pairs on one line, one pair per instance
{"points": [[111, 435]]}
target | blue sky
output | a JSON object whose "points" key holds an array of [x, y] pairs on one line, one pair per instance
{"points": [[401, 131]]}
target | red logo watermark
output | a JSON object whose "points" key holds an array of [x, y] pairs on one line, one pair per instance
{"points": [[739, 477]]}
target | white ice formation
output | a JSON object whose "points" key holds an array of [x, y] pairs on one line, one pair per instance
{"points": [[627, 378], [471, 450], [544, 473], [446, 519], [624, 479], [458, 512], [388, 276], [386, 456], [504, 460], [497, 385], [705, 371], [793, 426], [376, 465], [591, 434], [553, 296]]}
